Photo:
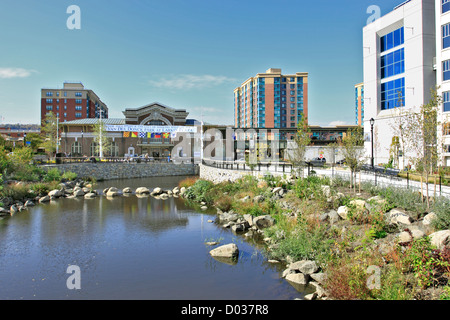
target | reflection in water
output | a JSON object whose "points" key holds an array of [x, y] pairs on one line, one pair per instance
{"points": [[128, 247]]}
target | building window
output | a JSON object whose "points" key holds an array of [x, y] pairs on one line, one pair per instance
{"points": [[49, 100], [78, 94], [78, 101], [94, 149], [393, 94], [445, 6], [75, 149], [392, 40], [446, 36], [393, 63], [446, 101], [49, 108], [78, 108], [78, 115], [114, 149], [446, 70], [49, 94]]}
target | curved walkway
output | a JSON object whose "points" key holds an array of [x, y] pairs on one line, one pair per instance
{"points": [[279, 169]]}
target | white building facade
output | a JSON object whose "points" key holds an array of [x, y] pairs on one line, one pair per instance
{"points": [[442, 13], [399, 50]]}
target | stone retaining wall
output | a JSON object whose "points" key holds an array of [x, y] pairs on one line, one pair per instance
{"points": [[218, 175], [109, 171]]}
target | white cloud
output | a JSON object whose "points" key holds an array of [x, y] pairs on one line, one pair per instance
{"points": [[338, 123], [8, 73], [190, 81]]}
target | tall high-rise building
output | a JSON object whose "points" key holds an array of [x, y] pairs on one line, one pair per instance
{"points": [[359, 104], [72, 102], [271, 100]]}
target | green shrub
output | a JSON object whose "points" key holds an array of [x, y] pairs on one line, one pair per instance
{"points": [[304, 242], [441, 207], [40, 188], [69, 175], [18, 191], [52, 175], [199, 190]]}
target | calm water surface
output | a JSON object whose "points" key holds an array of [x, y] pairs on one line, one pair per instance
{"points": [[129, 248]]}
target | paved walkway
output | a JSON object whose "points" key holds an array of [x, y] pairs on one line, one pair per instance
{"points": [[345, 174]]}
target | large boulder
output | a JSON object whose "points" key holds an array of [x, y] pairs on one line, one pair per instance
{"points": [[127, 190], [55, 193], [440, 239], [298, 278], [226, 251], [305, 266], [142, 190], [112, 192], [342, 211], [358, 203], [228, 217], [44, 199], [262, 222], [408, 236], [156, 191], [78, 192], [428, 219], [90, 195], [399, 217]]}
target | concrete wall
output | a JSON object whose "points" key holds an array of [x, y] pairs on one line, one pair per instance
{"points": [[109, 171]]}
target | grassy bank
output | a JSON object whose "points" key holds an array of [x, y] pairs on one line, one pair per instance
{"points": [[20, 179], [344, 248]]}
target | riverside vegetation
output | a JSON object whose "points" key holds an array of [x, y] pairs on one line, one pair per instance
{"points": [[329, 236], [378, 243], [22, 182]]}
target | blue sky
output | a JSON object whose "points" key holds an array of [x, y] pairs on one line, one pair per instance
{"points": [[132, 53]]}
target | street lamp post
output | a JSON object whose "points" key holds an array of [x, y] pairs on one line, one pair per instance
{"points": [[372, 121]]}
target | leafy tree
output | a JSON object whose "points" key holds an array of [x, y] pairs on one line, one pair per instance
{"points": [[35, 140], [102, 142], [421, 131], [302, 139], [352, 148], [49, 133]]}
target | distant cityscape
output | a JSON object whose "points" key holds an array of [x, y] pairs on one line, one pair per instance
{"points": [[406, 53]]}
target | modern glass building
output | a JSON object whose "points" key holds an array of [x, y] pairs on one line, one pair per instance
{"points": [[271, 100], [398, 53]]}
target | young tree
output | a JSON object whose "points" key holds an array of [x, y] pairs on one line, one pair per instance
{"points": [[297, 153], [399, 124], [49, 132], [102, 142], [352, 148], [423, 138]]}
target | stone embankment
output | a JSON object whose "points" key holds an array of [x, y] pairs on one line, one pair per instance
{"points": [[306, 275], [123, 170]]}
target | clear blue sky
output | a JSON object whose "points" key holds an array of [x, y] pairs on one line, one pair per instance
{"points": [[131, 52]]}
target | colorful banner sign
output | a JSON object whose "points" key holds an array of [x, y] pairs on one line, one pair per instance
{"points": [[151, 129]]}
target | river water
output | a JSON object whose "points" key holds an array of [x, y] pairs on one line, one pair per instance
{"points": [[129, 248]]}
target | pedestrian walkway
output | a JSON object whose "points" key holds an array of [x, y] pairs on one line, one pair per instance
{"points": [[342, 172]]}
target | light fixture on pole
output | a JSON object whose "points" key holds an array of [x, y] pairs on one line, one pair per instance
{"points": [[372, 121]]}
